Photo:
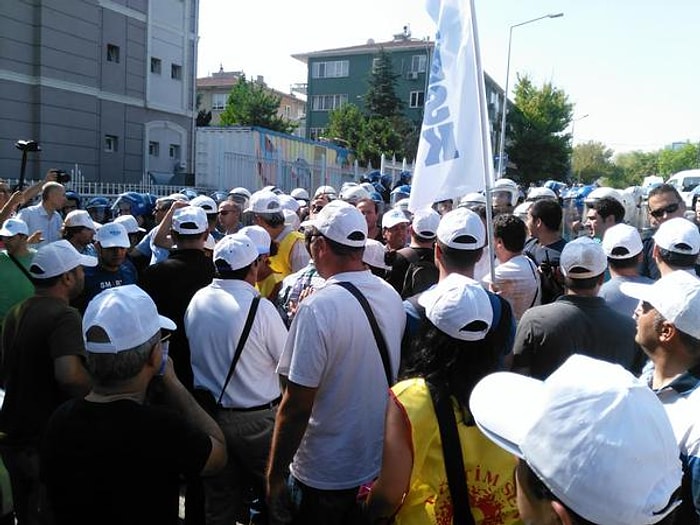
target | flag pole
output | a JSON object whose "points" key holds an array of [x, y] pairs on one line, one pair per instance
{"points": [[486, 145]]}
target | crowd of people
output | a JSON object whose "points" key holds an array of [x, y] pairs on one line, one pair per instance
{"points": [[330, 357]]}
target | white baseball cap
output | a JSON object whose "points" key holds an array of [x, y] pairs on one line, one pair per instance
{"points": [[596, 436], [393, 217], [12, 227], [374, 254], [458, 306], [210, 243], [82, 219], [341, 222], [622, 241], [678, 235], [325, 190], [300, 194], [190, 220], [57, 258], [584, 255], [676, 296], [264, 202], [287, 202], [129, 222], [291, 219], [113, 235], [425, 223], [260, 238], [353, 193], [127, 315], [236, 250], [206, 203], [462, 229]]}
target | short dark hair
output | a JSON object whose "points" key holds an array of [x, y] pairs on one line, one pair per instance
{"points": [[677, 260], [511, 230], [583, 284], [607, 206], [115, 368], [459, 260], [341, 250], [548, 211], [187, 236], [71, 231], [224, 271], [273, 220], [623, 264], [664, 188], [49, 282]]}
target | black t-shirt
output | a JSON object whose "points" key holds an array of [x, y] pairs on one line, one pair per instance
{"points": [[118, 463], [37, 331]]}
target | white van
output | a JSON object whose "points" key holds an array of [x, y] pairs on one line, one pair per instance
{"points": [[685, 181]]}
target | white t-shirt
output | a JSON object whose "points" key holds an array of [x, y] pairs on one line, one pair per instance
{"points": [[38, 219], [517, 281], [214, 321], [331, 348]]}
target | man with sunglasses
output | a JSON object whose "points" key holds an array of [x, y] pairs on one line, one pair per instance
{"points": [[113, 457], [663, 203], [668, 330], [229, 216]]}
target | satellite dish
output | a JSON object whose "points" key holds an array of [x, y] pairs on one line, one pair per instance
{"points": [[370, 42]]}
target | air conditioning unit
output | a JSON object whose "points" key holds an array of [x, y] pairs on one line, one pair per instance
{"points": [[412, 75]]}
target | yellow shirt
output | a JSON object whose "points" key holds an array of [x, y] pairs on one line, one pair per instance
{"points": [[489, 468], [282, 263], [267, 285]]}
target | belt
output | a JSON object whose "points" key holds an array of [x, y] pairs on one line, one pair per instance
{"points": [[264, 406]]}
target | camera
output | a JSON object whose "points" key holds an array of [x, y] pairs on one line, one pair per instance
{"points": [[62, 176]]}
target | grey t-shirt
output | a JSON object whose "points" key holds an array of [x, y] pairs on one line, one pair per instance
{"points": [[617, 300]]}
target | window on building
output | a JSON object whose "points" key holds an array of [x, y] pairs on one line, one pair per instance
{"points": [[218, 101], [418, 63], [316, 133], [154, 149], [112, 53], [156, 65], [176, 72], [332, 69], [111, 143], [328, 102], [174, 151], [287, 111], [375, 65], [417, 99]]}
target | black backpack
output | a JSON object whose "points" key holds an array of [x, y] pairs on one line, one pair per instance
{"points": [[420, 275], [552, 282]]}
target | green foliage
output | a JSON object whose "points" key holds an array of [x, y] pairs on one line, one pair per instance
{"points": [[347, 123], [591, 161], [674, 160], [636, 165], [537, 143], [380, 99], [251, 104]]}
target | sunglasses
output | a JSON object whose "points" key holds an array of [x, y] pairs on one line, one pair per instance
{"points": [[671, 208], [226, 212]]}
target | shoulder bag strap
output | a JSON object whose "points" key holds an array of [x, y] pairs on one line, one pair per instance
{"points": [[19, 265], [378, 336], [241, 343], [452, 455], [533, 269]]}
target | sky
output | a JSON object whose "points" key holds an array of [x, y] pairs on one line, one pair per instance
{"points": [[630, 67]]}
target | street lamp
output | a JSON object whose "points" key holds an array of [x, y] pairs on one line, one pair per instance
{"points": [[502, 145], [573, 127]]}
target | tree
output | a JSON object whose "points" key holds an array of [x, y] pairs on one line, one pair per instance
{"points": [[537, 143], [673, 160], [636, 165], [252, 104], [347, 123], [380, 99], [591, 161]]}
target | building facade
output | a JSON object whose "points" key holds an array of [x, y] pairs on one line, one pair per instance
{"points": [[340, 76], [106, 86], [213, 91]]}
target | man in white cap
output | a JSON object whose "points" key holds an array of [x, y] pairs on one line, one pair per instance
{"points": [[578, 322], [15, 260], [602, 214], [663, 203], [79, 229], [42, 366], [668, 329], [172, 283], [267, 212], [395, 229], [676, 246], [229, 216], [330, 421], [594, 445], [114, 269], [413, 269], [214, 323], [147, 247], [112, 457], [622, 245]]}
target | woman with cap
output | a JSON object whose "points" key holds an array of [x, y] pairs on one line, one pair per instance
{"points": [[453, 352]]}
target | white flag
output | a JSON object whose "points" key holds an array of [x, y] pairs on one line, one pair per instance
{"points": [[454, 151]]}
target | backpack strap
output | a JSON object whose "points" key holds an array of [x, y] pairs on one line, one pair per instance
{"points": [[378, 336], [452, 456]]}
